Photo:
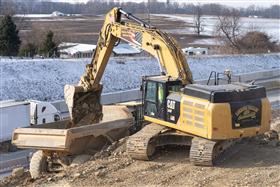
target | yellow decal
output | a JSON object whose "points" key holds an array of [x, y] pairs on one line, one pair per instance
{"points": [[246, 112]]}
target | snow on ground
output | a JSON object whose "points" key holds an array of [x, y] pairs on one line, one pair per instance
{"points": [[74, 48], [43, 15], [208, 41], [58, 19], [270, 26], [33, 15], [44, 79], [55, 16]]}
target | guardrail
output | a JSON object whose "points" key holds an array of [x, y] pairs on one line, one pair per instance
{"points": [[9, 161], [269, 79], [121, 96]]}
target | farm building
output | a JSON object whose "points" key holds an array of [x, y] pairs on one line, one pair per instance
{"points": [[125, 50], [78, 50], [195, 51], [57, 14]]}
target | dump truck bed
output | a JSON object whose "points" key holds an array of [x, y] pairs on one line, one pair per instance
{"points": [[55, 137]]}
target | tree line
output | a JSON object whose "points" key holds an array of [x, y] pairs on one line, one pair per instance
{"points": [[228, 29], [11, 45], [101, 7]]}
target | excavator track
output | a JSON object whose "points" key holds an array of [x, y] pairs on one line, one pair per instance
{"points": [[205, 152], [142, 145]]}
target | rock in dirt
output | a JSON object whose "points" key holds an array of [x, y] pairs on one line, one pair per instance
{"points": [[61, 174], [102, 154], [101, 167], [97, 173], [276, 127], [76, 175], [101, 172], [271, 135], [80, 159], [18, 172]]}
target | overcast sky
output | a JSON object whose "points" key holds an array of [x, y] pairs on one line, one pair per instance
{"points": [[235, 3]]}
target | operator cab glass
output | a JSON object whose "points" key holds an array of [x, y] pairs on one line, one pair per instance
{"points": [[156, 90], [151, 97]]}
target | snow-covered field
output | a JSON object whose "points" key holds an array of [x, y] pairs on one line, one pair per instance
{"points": [[55, 16], [42, 15], [270, 26], [44, 79]]}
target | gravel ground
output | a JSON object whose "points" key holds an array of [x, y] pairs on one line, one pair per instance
{"points": [[251, 162], [44, 79]]}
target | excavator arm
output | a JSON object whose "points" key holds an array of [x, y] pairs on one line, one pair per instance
{"points": [[169, 55], [84, 100]]}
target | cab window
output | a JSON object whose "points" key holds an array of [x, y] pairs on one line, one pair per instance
{"points": [[151, 109], [174, 88], [151, 91], [160, 94]]}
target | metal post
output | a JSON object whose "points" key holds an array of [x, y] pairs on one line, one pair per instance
{"points": [[149, 12]]}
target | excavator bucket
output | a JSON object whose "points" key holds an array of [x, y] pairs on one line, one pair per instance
{"points": [[84, 106]]}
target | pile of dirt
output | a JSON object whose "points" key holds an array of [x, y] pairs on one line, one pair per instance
{"points": [[97, 165], [275, 123], [11, 180], [251, 162]]}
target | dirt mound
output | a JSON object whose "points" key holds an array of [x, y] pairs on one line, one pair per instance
{"points": [[275, 123]]}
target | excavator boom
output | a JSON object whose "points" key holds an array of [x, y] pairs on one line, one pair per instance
{"points": [[83, 100]]}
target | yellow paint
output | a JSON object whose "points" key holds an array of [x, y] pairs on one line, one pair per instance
{"points": [[198, 116], [213, 120]]}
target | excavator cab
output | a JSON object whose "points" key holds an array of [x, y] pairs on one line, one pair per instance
{"points": [[155, 91]]}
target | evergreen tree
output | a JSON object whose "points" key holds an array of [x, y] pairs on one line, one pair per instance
{"points": [[49, 47], [9, 38]]}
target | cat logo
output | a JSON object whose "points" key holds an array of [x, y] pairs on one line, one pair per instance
{"points": [[246, 112], [170, 104]]}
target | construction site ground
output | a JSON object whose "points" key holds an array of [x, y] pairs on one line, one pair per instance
{"points": [[251, 162]]}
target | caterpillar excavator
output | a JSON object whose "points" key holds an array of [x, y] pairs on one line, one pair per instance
{"points": [[206, 117]]}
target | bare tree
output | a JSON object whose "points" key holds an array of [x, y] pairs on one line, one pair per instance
{"points": [[198, 20], [7, 7], [257, 42], [229, 27]]}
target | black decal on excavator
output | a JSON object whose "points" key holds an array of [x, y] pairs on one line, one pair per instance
{"points": [[246, 114], [138, 37], [173, 111]]}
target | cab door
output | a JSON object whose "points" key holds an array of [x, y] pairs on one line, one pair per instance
{"points": [[154, 100]]}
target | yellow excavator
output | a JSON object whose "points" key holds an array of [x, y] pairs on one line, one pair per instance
{"points": [[208, 118]]}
